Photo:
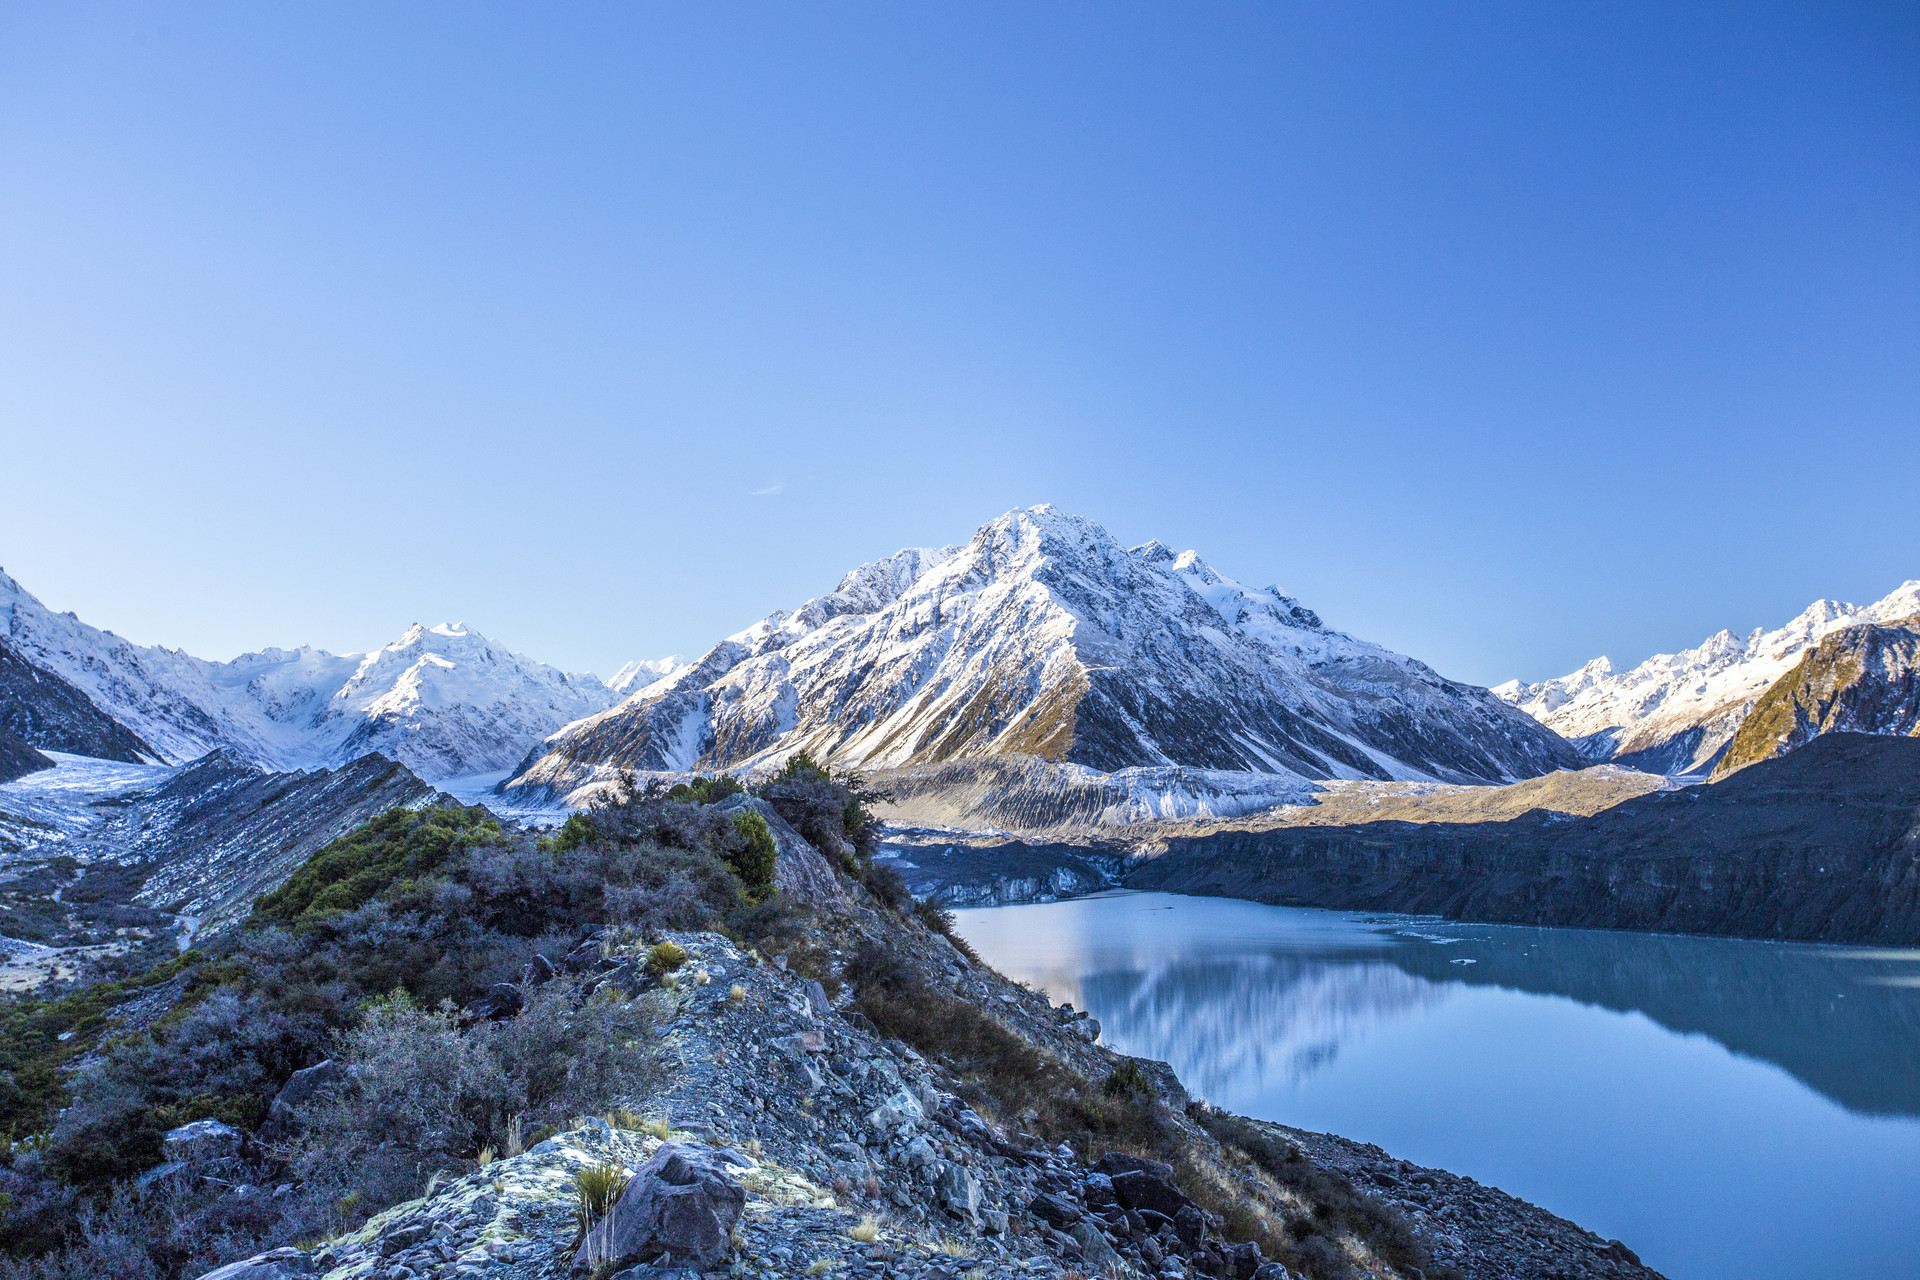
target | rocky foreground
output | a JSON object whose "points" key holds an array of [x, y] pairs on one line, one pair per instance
{"points": [[787, 1137]]}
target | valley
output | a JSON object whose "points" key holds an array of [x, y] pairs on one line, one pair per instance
{"points": [[215, 876]]}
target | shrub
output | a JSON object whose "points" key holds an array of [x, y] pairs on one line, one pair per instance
{"points": [[754, 861], [395, 847], [665, 957], [888, 887], [1127, 1080], [574, 832], [940, 920], [706, 790]]}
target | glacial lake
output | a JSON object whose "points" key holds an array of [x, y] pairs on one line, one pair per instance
{"points": [[1729, 1109]]}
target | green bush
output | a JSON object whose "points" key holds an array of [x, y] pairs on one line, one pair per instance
{"points": [[705, 791], [754, 861], [573, 833], [394, 848]]}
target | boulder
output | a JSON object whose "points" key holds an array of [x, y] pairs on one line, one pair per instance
{"points": [[899, 1108], [539, 970], [800, 871], [1055, 1210], [1095, 1252], [283, 1118], [1272, 1271], [959, 1192], [279, 1264], [919, 1154], [1142, 1190], [501, 1002], [203, 1142], [817, 998], [1243, 1260], [1120, 1162], [679, 1209], [1190, 1225]]}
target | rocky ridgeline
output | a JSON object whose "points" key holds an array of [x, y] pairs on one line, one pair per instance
{"points": [[787, 1137]]}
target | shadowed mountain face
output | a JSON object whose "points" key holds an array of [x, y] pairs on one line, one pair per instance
{"points": [[1044, 638], [1820, 845], [17, 759], [40, 709], [1861, 680]]}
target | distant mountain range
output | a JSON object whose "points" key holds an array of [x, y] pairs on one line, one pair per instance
{"points": [[1860, 679], [1043, 637], [1676, 712], [1039, 669], [446, 701]]}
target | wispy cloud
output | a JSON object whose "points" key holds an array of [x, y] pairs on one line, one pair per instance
{"points": [[771, 489]]}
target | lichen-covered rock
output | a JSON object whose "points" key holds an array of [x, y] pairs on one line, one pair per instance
{"points": [[679, 1208]]}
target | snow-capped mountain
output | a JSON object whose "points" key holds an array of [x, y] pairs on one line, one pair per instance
{"points": [[1676, 712], [444, 700], [1044, 637], [637, 675]]}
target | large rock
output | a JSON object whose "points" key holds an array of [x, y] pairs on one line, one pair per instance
{"points": [[679, 1209], [800, 871], [959, 1192], [901, 1108], [1142, 1190], [283, 1118], [280, 1264], [203, 1142], [1095, 1252]]}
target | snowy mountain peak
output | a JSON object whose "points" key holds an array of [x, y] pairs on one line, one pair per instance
{"points": [[444, 700], [1043, 636], [1676, 712]]}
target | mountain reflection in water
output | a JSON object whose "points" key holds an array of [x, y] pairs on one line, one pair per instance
{"points": [[1733, 1110], [1262, 996]]}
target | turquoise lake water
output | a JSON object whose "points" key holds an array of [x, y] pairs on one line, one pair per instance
{"points": [[1731, 1110]]}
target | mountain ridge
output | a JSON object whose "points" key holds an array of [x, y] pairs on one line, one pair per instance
{"points": [[1676, 712], [444, 700], [1043, 636]]}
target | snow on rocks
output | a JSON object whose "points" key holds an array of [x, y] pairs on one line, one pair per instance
{"points": [[1676, 712], [1043, 636], [444, 700]]}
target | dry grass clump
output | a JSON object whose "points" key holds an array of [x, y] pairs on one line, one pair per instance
{"points": [[867, 1231], [665, 957], [596, 1189]]}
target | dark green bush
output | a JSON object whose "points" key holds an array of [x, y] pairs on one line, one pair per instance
{"points": [[397, 846], [754, 857], [706, 790]]}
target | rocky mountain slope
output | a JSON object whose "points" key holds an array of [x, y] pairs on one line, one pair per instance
{"points": [[19, 758], [1863, 679], [182, 852], [1044, 637], [446, 701], [39, 708], [1820, 845], [1675, 712], [854, 1095], [1091, 853]]}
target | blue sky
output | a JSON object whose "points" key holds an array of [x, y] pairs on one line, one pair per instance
{"points": [[1505, 334]]}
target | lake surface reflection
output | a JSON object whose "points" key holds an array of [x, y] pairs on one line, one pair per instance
{"points": [[1728, 1108]]}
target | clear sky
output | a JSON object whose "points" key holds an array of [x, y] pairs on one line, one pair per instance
{"points": [[1502, 334]]}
